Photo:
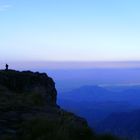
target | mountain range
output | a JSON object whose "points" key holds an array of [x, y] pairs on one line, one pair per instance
{"points": [[106, 109]]}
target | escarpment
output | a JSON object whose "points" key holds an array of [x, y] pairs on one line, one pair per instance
{"points": [[28, 110]]}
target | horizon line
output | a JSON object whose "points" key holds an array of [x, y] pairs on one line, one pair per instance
{"points": [[70, 64], [74, 61]]}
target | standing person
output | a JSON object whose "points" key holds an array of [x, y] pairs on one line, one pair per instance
{"points": [[6, 67]]}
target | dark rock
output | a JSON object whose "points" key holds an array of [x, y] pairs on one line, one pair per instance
{"points": [[27, 81], [28, 109]]}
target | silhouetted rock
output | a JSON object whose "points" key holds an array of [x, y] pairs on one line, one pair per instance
{"points": [[28, 110], [27, 81]]}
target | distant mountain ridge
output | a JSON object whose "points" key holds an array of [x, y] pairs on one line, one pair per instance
{"points": [[98, 93], [87, 93], [107, 111]]}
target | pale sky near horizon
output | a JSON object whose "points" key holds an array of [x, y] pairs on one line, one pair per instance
{"points": [[74, 30]]}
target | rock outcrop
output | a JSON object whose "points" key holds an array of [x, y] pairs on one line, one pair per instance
{"points": [[29, 82], [28, 110]]}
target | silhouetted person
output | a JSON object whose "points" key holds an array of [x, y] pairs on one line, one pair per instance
{"points": [[6, 67]]}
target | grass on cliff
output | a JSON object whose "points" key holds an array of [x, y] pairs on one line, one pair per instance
{"points": [[16, 101], [44, 129]]}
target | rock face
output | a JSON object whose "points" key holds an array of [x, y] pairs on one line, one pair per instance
{"points": [[27, 82], [28, 110]]}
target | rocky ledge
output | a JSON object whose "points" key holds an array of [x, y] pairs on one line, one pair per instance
{"points": [[29, 82]]}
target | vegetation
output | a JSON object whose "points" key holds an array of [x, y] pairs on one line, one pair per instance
{"points": [[42, 129]]}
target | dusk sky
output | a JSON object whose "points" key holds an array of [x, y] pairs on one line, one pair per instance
{"points": [[74, 30]]}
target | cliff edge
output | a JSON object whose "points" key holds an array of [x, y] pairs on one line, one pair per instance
{"points": [[29, 82], [28, 110]]}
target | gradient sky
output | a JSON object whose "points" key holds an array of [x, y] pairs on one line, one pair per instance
{"points": [[74, 30]]}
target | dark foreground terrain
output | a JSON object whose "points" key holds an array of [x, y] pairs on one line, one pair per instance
{"points": [[28, 110]]}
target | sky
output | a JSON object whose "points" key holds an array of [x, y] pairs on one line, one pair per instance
{"points": [[69, 30]]}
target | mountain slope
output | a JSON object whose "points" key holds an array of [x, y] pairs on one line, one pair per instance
{"points": [[126, 124], [88, 93]]}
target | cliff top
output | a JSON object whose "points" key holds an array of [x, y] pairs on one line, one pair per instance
{"points": [[29, 82]]}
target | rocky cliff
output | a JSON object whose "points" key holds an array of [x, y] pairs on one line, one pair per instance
{"points": [[27, 82], [28, 110]]}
